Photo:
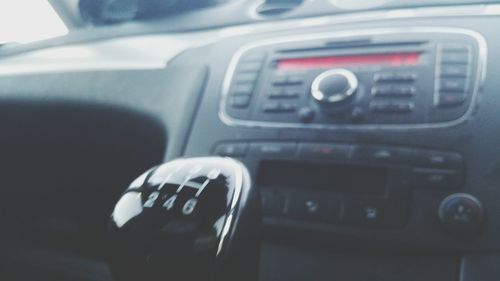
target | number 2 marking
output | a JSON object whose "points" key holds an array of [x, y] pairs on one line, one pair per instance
{"points": [[151, 199]]}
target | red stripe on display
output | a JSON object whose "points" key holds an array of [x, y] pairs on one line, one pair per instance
{"points": [[396, 59]]}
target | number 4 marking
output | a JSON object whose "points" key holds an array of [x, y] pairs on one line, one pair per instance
{"points": [[169, 204]]}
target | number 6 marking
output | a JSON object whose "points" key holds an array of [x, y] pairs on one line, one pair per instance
{"points": [[189, 206]]}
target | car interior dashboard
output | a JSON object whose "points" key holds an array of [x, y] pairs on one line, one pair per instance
{"points": [[370, 129]]}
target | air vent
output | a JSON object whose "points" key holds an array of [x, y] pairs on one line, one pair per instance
{"points": [[275, 8]]}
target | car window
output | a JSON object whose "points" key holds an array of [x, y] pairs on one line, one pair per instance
{"points": [[25, 21]]}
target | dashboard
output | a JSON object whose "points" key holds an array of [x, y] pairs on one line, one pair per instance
{"points": [[372, 135]]}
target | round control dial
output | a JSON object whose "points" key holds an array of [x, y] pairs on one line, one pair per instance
{"points": [[334, 86], [461, 214]]}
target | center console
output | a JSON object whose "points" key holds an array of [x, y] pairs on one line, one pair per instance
{"points": [[365, 139], [357, 82], [361, 186]]}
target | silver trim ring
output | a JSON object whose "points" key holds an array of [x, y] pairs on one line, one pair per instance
{"points": [[318, 95]]}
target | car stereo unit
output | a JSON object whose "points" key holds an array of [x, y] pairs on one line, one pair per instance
{"points": [[363, 79]]}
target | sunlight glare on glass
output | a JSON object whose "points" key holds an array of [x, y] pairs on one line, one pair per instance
{"points": [[25, 21]]}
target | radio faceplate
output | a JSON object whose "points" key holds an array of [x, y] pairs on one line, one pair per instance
{"points": [[365, 79]]}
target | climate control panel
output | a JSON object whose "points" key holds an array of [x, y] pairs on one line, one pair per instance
{"points": [[348, 185]]}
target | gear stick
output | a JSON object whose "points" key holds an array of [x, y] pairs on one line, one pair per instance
{"points": [[188, 219]]}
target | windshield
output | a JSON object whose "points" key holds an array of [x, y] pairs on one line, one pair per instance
{"points": [[24, 21]]}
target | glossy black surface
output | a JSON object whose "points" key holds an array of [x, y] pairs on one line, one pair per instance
{"points": [[180, 219]]}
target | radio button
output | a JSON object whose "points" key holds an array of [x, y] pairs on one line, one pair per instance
{"points": [[248, 77], [291, 93], [394, 91], [455, 47], [295, 79], [453, 84], [279, 107], [382, 90], [284, 94], [436, 179], [374, 213], [240, 101], [273, 149], [242, 90], [437, 159], [249, 67], [449, 99], [357, 114], [391, 107], [400, 90], [395, 77], [306, 114], [455, 57], [276, 94], [321, 151], [287, 107], [271, 107], [381, 155], [312, 206], [279, 80], [231, 149], [453, 70]]}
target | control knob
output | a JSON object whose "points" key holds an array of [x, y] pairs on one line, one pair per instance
{"points": [[461, 214], [334, 86]]}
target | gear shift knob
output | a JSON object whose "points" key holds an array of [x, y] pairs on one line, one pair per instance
{"points": [[188, 219]]}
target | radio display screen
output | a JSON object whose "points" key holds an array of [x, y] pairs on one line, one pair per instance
{"points": [[392, 59]]}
